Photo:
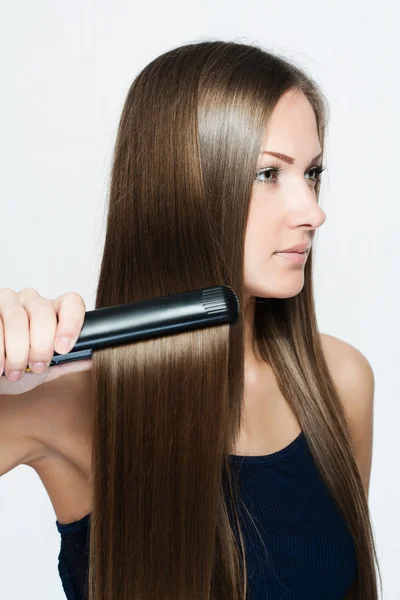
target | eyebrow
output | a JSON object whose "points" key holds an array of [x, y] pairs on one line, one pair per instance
{"points": [[286, 158]]}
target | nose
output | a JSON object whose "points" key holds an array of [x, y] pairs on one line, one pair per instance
{"points": [[306, 203]]}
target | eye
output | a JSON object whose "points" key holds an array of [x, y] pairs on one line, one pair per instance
{"points": [[275, 170], [269, 171], [317, 172]]}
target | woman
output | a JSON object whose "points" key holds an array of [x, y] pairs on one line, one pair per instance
{"points": [[223, 466]]}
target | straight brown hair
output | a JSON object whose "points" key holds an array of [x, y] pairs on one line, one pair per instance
{"points": [[167, 411]]}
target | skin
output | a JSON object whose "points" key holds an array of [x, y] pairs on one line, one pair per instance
{"points": [[281, 214]]}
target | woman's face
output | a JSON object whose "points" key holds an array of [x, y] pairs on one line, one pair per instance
{"points": [[283, 207]]}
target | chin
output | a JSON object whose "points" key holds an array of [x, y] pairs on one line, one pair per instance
{"points": [[277, 288]]}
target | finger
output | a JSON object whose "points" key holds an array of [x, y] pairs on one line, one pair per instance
{"points": [[42, 329], [70, 309], [15, 331]]}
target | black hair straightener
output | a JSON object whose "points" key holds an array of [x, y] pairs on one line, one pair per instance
{"points": [[166, 315]]}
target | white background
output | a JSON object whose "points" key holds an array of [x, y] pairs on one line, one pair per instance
{"points": [[65, 71]]}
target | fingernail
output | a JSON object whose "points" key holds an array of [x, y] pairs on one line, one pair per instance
{"points": [[14, 375], [63, 345]]}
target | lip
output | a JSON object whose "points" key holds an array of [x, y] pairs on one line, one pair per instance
{"points": [[297, 248], [295, 257]]}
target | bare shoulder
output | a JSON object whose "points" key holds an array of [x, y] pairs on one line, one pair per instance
{"points": [[355, 382], [63, 418], [351, 370], [63, 422], [45, 421]]}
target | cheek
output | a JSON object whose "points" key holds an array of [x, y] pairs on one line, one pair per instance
{"points": [[255, 249], [260, 239]]}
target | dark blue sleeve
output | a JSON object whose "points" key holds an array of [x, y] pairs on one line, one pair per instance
{"points": [[73, 559]]}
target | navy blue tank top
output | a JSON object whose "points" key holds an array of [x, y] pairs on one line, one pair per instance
{"points": [[310, 552]]}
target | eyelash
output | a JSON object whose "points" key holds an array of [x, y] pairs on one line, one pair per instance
{"points": [[277, 169]]}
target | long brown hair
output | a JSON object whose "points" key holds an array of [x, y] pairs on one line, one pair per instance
{"points": [[167, 411]]}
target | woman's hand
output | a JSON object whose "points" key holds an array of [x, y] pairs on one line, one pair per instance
{"points": [[30, 330]]}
